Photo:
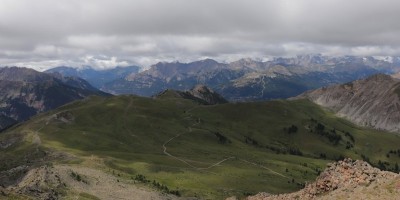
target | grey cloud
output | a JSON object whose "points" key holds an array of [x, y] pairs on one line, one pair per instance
{"points": [[103, 33]]}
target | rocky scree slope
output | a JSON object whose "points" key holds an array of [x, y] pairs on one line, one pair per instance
{"points": [[372, 102], [347, 179]]}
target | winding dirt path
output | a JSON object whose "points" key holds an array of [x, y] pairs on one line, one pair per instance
{"points": [[215, 164], [183, 160], [187, 163], [261, 166], [172, 156], [125, 116]]}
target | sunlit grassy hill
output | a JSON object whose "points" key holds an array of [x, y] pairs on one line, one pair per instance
{"points": [[194, 150]]}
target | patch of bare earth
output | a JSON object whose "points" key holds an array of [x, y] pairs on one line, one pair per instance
{"points": [[346, 179], [73, 182], [105, 186]]}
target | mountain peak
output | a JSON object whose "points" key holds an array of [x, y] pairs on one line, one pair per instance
{"points": [[209, 61], [201, 89], [22, 74], [247, 60], [200, 93], [206, 94]]}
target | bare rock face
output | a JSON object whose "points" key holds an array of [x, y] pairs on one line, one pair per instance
{"points": [[200, 93], [206, 94], [346, 179], [372, 102]]}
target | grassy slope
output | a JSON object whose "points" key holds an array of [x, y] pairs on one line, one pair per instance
{"points": [[129, 133]]}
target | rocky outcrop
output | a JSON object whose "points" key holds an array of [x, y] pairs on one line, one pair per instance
{"points": [[41, 183], [373, 102], [200, 93], [206, 94], [344, 180]]}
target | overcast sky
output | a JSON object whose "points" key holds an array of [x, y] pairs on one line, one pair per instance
{"points": [[107, 33]]}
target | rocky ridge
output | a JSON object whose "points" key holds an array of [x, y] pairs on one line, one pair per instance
{"points": [[206, 94], [200, 93], [373, 102], [347, 179]]}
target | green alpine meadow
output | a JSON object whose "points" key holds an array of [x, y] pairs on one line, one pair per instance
{"points": [[182, 147]]}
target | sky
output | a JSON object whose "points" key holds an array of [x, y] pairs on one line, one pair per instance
{"points": [[106, 33]]}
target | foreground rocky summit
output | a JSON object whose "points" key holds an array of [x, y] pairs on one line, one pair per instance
{"points": [[347, 179], [77, 182]]}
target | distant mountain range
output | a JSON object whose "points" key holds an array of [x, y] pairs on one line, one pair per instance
{"points": [[97, 78], [26, 92], [373, 102], [245, 79]]}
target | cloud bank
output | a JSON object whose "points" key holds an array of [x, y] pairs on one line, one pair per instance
{"points": [[109, 33]]}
